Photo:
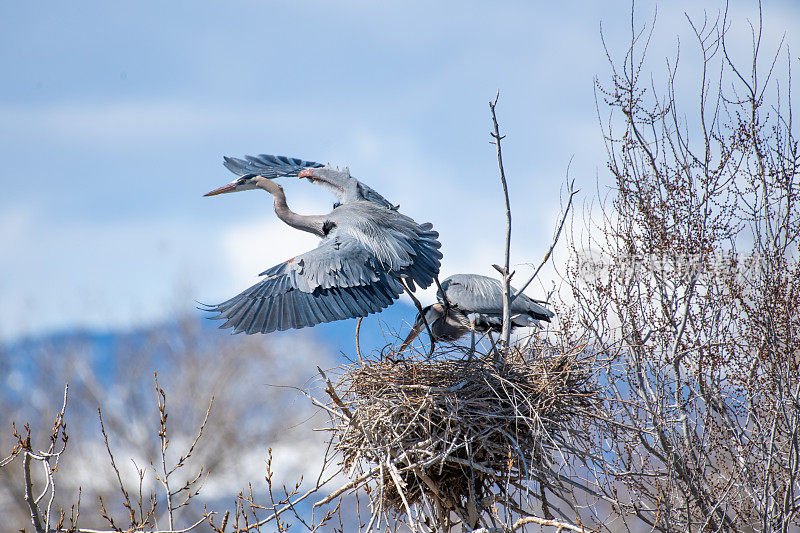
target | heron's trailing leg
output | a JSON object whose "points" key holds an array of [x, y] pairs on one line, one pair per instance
{"points": [[497, 358], [471, 344], [421, 313], [528, 339], [447, 303], [358, 339]]}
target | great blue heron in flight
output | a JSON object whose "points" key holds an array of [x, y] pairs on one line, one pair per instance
{"points": [[368, 251], [473, 303]]}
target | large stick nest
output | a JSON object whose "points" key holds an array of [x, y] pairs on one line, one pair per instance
{"points": [[454, 432]]}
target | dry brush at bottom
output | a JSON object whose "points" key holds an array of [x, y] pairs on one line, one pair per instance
{"points": [[459, 438]]}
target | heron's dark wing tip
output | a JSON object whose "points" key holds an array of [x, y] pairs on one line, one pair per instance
{"points": [[269, 166], [204, 307]]}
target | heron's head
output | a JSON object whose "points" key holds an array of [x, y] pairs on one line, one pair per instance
{"points": [[245, 183], [432, 313]]}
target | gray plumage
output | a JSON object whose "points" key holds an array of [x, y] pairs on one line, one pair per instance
{"points": [[355, 271], [269, 166], [340, 183], [475, 304], [483, 296]]}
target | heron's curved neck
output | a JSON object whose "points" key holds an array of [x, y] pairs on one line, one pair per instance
{"points": [[310, 223]]}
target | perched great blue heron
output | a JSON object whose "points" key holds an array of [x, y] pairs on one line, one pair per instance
{"points": [[368, 251], [473, 303]]}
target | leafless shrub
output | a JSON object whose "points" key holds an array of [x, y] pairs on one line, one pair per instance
{"points": [[193, 365], [48, 459], [139, 511], [695, 304]]}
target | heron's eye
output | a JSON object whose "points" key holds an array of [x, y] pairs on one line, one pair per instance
{"points": [[241, 181]]}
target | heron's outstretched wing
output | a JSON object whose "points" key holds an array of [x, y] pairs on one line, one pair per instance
{"points": [[269, 166], [400, 244], [276, 166], [371, 195], [339, 279], [482, 294]]}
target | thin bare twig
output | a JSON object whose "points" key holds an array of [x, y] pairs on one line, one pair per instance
{"points": [[572, 192], [505, 336]]}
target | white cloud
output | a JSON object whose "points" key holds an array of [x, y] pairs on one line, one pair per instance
{"points": [[255, 246], [118, 274], [14, 228], [141, 120]]}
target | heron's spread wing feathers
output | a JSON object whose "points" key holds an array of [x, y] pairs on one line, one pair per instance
{"points": [[371, 195], [339, 279], [340, 261], [276, 166], [400, 244], [269, 166]]}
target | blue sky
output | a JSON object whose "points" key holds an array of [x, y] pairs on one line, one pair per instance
{"points": [[114, 118]]}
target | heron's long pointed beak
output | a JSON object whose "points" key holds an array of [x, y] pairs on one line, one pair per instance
{"points": [[411, 336], [230, 187]]}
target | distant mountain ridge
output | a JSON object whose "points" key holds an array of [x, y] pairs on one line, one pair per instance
{"points": [[377, 330]]}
